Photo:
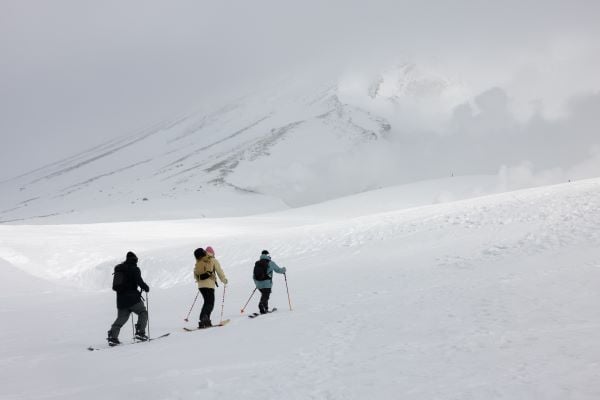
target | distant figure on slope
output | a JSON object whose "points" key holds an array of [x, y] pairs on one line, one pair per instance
{"points": [[263, 279], [205, 273], [127, 278]]}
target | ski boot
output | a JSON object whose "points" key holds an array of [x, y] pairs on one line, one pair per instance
{"points": [[113, 341], [204, 324]]}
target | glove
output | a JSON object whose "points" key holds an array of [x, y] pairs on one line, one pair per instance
{"points": [[284, 270], [225, 281], [146, 289]]}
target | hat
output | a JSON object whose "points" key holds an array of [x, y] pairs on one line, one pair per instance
{"points": [[131, 256], [199, 253], [210, 250], [264, 252]]}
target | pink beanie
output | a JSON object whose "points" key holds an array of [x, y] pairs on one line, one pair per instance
{"points": [[210, 250]]}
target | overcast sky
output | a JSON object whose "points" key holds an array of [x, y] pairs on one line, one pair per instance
{"points": [[74, 73]]}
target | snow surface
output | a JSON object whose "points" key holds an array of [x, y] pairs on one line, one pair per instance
{"points": [[493, 297]]}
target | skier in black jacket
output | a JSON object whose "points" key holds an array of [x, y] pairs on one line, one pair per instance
{"points": [[130, 300]]}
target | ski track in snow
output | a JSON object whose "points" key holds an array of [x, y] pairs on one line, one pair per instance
{"points": [[488, 298]]}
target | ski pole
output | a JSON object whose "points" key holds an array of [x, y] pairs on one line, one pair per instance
{"points": [[132, 327], [148, 310], [242, 310], [188, 315], [288, 291], [223, 304]]}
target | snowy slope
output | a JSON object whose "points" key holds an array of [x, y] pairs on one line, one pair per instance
{"points": [[313, 137], [488, 298]]}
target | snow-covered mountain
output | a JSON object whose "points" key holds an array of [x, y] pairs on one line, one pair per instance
{"points": [[304, 139], [296, 142]]}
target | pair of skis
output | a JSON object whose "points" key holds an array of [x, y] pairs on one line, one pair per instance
{"points": [[225, 322], [92, 348], [254, 315]]}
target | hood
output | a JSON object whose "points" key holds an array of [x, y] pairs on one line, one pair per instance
{"points": [[205, 259]]}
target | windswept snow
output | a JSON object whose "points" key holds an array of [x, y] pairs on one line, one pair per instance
{"points": [[494, 297]]}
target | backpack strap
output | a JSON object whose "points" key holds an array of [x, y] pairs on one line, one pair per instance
{"points": [[267, 262], [214, 275]]}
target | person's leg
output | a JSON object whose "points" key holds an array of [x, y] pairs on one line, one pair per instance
{"points": [[263, 305], [209, 304], [122, 317], [142, 313]]}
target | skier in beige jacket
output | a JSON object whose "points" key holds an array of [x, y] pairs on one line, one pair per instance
{"points": [[206, 271]]}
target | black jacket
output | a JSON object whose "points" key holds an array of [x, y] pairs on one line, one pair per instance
{"points": [[130, 295]]}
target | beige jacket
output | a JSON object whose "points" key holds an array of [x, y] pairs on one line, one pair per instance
{"points": [[209, 264]]}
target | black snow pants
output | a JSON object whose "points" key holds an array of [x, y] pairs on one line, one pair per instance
{"points": [[123, 315], [263, 304], [209, 304]]}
